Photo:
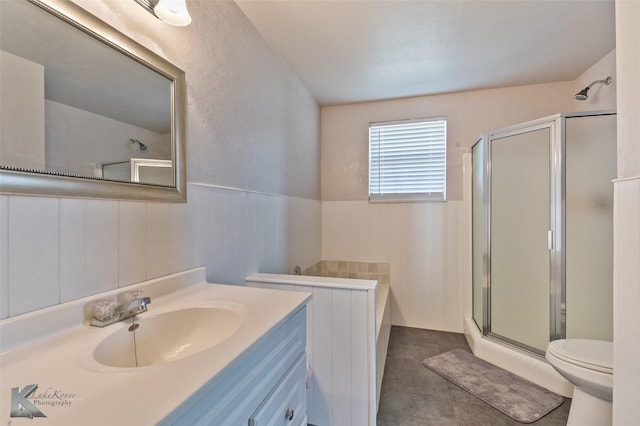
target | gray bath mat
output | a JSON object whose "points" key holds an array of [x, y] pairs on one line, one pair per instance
{"points": [[516, 397]]}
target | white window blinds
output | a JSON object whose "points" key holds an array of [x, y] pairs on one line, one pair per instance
{"points": [[407, 160]]}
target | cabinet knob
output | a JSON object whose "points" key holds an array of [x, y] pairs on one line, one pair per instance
{"points": [[289, 414]]}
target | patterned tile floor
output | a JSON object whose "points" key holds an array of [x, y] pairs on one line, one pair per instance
{"points": [[414, 395]]}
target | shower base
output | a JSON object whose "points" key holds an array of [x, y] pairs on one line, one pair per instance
{"points": [[528, 366]]}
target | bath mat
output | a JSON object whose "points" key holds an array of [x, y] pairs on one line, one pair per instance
{"points": [[516, 397]]}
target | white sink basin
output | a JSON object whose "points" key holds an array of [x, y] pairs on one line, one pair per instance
{"points": [[167, 337]]}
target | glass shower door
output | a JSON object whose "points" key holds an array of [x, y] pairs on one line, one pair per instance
{"points": [[520, 227], [590, 168], [479, 232]]}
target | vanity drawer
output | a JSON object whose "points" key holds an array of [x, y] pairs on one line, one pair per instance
{"points": [[286, 405]]}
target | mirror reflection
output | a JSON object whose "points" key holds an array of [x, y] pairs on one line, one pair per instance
{"points": [[73, 105]]}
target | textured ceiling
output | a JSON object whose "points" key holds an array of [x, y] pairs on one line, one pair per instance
{"points": [[354, 51]]}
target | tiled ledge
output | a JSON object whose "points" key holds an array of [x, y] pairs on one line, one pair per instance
{"points": [[378, 271]]}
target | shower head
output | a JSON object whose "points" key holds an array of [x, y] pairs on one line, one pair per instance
{"points": [[582, 95], [142, 146]]}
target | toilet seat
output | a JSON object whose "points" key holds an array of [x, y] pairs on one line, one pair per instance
{"points": [[594, 355]]}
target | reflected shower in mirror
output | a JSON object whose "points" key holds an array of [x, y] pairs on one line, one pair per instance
{"points": [[78, 96]]}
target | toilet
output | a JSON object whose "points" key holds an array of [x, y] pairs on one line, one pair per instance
{"points": [[588, 365]]}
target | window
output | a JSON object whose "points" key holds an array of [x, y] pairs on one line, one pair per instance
{"points": [[408, 160]]}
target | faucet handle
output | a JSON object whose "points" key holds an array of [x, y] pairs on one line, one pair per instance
{"points": [[132, 295], [103, 309]]}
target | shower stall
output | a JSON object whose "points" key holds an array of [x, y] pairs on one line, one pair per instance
{"points": [[542, 230]]}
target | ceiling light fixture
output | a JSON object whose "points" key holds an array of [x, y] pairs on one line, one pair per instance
{"points": [[173, 12]]}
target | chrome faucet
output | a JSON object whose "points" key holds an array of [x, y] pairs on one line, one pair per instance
{"points": [[133, 308], [126, 310]]}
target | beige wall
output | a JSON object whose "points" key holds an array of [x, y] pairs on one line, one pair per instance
{"points": [[344, 137], [22, 118], [601, 96], [344, 129], [423, 242], [628, 39], [68, 130]]}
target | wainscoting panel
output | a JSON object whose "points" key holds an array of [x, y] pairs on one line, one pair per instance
{"points": [[341, 346], [422, 242], [64, 249], [241, 232], [626, 296]]}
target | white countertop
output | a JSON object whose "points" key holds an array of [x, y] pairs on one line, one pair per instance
{"points": [[310, 280], [81, 393]]}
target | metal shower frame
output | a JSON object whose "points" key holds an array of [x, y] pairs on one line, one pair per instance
{"points": [[557, 236]]}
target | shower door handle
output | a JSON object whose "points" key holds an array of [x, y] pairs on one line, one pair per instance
{"points": [[550, 239]]}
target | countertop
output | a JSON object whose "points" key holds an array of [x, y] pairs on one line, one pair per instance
{"points": [[74, 390]]}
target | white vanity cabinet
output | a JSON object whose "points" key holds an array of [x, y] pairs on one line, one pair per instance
{"points": [[287, 404], [265, 385]]}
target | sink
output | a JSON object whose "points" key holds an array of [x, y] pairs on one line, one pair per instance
{"points": [[167, 337]]}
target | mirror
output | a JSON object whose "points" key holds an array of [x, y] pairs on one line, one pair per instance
{"points": [[80, 100]]}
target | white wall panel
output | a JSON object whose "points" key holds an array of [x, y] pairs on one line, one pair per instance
{"points": [[236, 226], [4, 256], [256, 223], [626, 300], [454, 263], [322, 354], [72, 250], [240, 232], [626, 409], [100, 245], [202, 204], [423, 244], [341, 347], [341, 369], [33, 253], [302, 236], [218, 255], [158, 240], [359, 390], [88, 247], [64, 249], [132, 243], [185, 231], [266, 217]]}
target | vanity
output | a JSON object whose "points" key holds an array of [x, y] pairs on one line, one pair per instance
{"points": [[226, 355]]}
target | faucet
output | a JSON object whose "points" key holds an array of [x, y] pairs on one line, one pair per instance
{"points": [[133, 308], [126, 310]]}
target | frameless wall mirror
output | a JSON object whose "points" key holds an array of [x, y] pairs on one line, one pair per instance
{"points": [[78, 97]]}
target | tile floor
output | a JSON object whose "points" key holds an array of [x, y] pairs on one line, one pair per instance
{"points": [[414, 395]]}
